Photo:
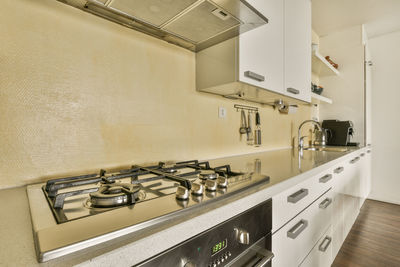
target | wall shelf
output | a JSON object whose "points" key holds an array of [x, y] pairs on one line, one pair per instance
{"points": [[317, 99], [321, 66]]}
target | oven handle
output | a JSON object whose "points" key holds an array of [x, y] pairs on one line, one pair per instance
{"points": [[261, 256], [266, 257]]}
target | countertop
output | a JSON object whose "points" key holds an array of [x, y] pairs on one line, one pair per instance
{"points": [[284, 167]]}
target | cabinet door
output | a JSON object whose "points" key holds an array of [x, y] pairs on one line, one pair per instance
{"points": [[338, 208], [352, 194], [298, 49], [261, 50], [321, 255], [292, 243], [363, 177], [369, 171]]}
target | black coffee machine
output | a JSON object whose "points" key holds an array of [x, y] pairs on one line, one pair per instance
{"points": [[339, 132]]}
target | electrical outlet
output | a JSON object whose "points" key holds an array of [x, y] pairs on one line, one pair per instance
{"points": [[222, 113]]}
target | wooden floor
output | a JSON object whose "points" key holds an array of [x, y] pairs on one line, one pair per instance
{"points": [[374, 239]]}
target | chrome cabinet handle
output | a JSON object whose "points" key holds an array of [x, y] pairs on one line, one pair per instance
{"points": [[293, 90], [354, 160], [322, 247], [254, 76], [362, 154], [297, 196], [338, 170], [324, 204], [296, 230], [325, 178]]}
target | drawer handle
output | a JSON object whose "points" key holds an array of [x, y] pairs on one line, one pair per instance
{"points": [[293, 90], [338, 170], [325, 243], [254, 76], [297, 196], [354, 160], [368, 151], [296, 230], [325, 178], [324, 204], [362, 154]]}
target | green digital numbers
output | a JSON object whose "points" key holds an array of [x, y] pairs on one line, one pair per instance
{"points": [[218, 247]]}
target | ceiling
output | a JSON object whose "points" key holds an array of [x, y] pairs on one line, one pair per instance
{"points": [[329, 16]]}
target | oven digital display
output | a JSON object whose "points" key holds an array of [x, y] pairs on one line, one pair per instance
{"points": [[219, 246]]}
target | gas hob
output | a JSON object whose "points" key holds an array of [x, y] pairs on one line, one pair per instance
{"points": [[93, 208]]}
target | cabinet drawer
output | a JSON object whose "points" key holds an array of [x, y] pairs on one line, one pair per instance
{"points": [[321, 254], [291, 202], [294, 241]]}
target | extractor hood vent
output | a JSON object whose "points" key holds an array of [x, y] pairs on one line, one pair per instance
{"points": [[192, 24]]}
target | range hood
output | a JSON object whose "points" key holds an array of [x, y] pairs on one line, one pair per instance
{"points": [[192, 24]]}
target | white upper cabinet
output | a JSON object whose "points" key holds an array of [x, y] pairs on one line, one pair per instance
{"points": [[298, 49], [275, 57], [261, 51]]}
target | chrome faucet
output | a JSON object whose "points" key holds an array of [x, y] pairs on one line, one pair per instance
{"points": [[301, 139]]}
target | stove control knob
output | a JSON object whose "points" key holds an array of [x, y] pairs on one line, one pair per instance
{"points": [[211, 185], [242, 236], [182, 193], [189, 264], [222, 182], [197, 189]]}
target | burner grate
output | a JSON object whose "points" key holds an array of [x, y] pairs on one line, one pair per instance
{"points": [[57, 191]]}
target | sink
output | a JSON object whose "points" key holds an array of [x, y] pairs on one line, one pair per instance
{"points": [[331, 149]]}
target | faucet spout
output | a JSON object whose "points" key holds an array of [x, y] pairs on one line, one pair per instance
{"points": [[300, 139]]}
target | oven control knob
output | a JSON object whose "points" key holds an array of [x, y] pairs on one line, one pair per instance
{"points": [[189, 264], [211, 185], [182, 193], [242, 236], [222, 182], [197, 189]]}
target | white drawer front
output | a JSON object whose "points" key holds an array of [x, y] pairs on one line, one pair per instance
{"points": [[291, 202], [321, 254], [294, 241]]}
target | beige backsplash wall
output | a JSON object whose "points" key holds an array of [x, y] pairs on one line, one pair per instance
{"points": [[78, 93]]}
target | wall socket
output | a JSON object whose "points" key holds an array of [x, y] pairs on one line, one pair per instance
{"points": [[221, 112]]}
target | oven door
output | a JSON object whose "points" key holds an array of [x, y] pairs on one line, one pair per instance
{"points": [[258, 255]]}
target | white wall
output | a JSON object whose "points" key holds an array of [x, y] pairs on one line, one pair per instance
{"points": [[346, 90], [385, 117]]}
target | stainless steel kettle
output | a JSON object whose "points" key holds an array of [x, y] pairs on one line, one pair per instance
{"points": [[321, 137]]}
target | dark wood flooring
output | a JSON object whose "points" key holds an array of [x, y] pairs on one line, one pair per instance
{"points": [[374, 239]]}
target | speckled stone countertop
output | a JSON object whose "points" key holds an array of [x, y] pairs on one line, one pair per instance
{"points": [[284, 167]]}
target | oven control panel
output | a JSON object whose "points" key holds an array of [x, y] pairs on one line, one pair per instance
{"points": [[221, 244]]}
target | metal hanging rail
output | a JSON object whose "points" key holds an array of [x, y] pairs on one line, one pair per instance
{"points": [[243, 107]]}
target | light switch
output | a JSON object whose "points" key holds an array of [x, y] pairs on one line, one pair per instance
{"points": [[222, 113]]}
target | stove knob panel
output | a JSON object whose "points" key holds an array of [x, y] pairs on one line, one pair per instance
{"points": [[222, 182], [182, 193], [211, 185], [197, 189]]}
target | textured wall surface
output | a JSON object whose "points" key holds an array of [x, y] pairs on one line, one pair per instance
{"points": [[79, 93]]}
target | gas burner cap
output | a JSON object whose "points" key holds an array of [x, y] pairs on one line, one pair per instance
{"points": [[208, 175], [170, 170], [114, 195]]}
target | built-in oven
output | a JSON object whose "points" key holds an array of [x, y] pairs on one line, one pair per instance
{"points": [[244, 240]]}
